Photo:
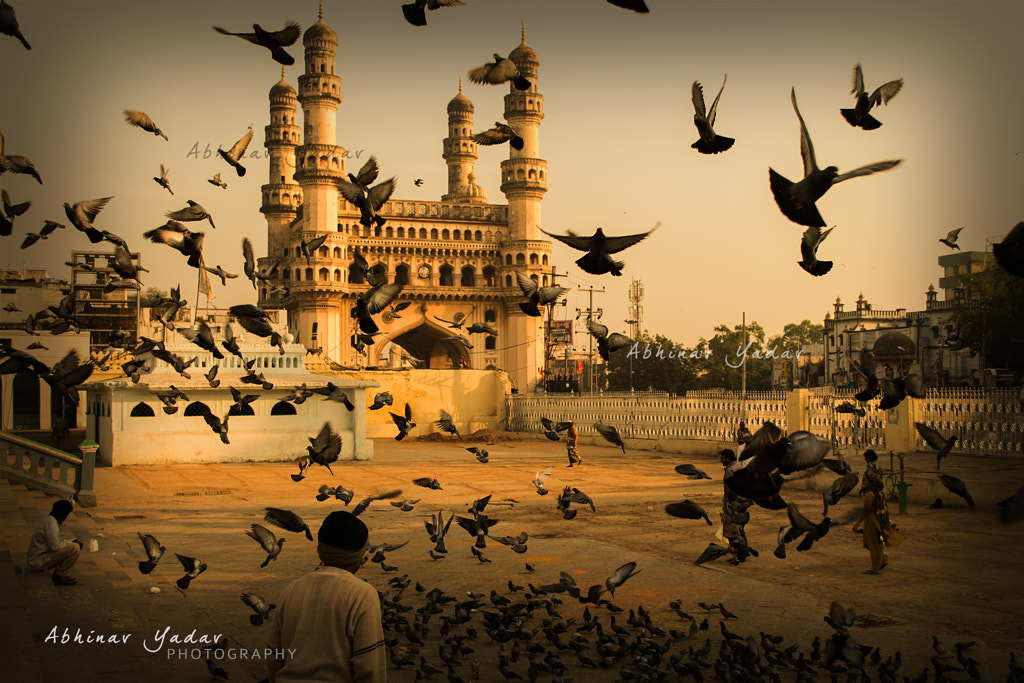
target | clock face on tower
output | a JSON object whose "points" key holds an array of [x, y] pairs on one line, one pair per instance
{"points": [[424, 272]]}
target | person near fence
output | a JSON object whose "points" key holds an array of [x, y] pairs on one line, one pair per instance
{"points": [[328, 621], [877, 530], [735, 513], [47, 550], [743, 435], [571, 438]]}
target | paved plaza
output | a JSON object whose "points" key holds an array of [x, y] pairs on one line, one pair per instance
{"points": [[956, 576]]}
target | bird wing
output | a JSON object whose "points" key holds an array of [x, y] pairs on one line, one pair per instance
{"points": [[806, 146], [264, 536], [797, 519], [238, 149], [288, 35], [884, 93], [139, 119], [574, 241], [953, 234], [805, 451], [251, 37], [92, 207], [714, 105], [152, 546], [286, 519], [697, 94], [858, 81], [526, 284], [616, 244], [608, 432], [597, 329], [931, 437], [352, 193], [378, 194], [493, 136], [368, 173], [868, 170], [378, 298], [122, 258]]}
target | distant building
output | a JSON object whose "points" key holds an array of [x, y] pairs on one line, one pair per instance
{"points": [[456, 257]]}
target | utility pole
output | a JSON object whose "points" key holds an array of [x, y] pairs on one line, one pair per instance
{"points": [[548, 344], [636, 315], [590, 316]]}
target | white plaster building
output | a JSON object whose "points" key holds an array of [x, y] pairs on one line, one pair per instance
{"points": [[456, 256], [128, 422]]}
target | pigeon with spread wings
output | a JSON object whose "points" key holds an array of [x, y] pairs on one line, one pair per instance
{"points": [[499, 134], [936, 441], [797, 200], [709, 142], [236, 152], [414, 11], [325, 447], [610, 434], [536, 295], [950, 239], [501, 70], [606, 343], [599, 248], [858, 116], [809, 243], [275, 42], [140, 119]]}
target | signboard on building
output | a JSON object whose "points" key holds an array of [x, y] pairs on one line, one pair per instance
{"points": [[559, 331]]}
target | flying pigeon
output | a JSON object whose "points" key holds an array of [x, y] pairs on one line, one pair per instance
{"points": [[796, 200], [551, 429], [536, 295], [275, 42], [404, 424], [221, 273], [499, 134], [445, 424], [858, 117], [16, 163], [414, 11], [325, 447], [83, 213], [154, 551], [950, 239], [215, 180], [368, 201], [309, 248], [540, 479], [709, 142], [936, 441], [268, 541], [192, 212], [812, 239], [620, 576], [163, 181], [599, 248], [9, 24], [286, 519], [177, 236], [687, 510], [260, 606], [607, 343], [140, 119], [638, 6], [193, 568], [236, 152], [691, 472], [501, 70], [957, 486], [610, 434]]}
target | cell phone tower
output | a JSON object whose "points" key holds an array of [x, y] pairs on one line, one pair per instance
{"points": [[636, 308]]}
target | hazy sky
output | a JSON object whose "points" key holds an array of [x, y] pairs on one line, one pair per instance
{"points": [[616, 134]]}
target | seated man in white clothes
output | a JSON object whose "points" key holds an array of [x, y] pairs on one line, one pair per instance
{"points": [[47, 551]]}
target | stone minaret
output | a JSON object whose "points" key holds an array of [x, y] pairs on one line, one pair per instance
{"points": [[281, 195], [460, 151], [524, 180], [524, 175], [320, 165]]}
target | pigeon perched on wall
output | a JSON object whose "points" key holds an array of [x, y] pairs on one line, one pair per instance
{"points": [[709, 142], [501, 70], [797, 200], [599, 248], [274, 41], [858, 116], [140, 119]]}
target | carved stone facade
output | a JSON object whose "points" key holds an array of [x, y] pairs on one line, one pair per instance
{"points": [[456, 257]]}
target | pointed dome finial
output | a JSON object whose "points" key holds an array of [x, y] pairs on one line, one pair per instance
{"points": [[460, 84], [282, 72], [523, 39], [321, 15]]}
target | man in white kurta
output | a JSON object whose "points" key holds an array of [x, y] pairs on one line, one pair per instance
{"points": [[48, 551], [328, 622]]}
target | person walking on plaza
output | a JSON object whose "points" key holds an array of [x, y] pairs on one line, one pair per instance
{"points": [[878, 532], [48, 551], [328, 622], [571, 437]]}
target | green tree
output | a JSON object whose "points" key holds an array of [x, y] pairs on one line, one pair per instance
{"points": [[152, 297], [658, 364], [798, 335], [992, 319], [728, 355]]}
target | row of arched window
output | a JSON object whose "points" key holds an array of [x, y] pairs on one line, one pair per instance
{"points": [[199, 409]]}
